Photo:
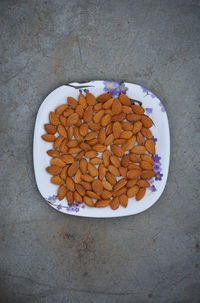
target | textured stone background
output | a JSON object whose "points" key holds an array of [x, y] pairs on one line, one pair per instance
{"points": [[50, 257]]}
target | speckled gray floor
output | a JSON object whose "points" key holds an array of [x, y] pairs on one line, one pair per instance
{"points": [[50, 257]]}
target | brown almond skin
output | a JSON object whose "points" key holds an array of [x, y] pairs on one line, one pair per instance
{"points": [[111, 178], [72, 119], [147, 158], [138, 109], [107, 185], [129, 144], [83, 129], [91, 135], [102, 203], [109, 140], [73, 169], [132, 166], [120, 184], [126, 109], [79, 110], [147, 174], [123, 200], [114, 170], [83, 166], [118, 151], [119, 191], [63, 120], [79, 155], [102, 136], [116, 106], [77, 177], [146, 165], [95, 127], [57, 162], [104, 97], [131, 182], [88, 115], [124, 100], [53, 153], [106, 157], [54, 170], [93, 195], [102, 171], [115, 161], [139, 150], [90, 98], [146, 133], [88, 201], [96, 161], [127, 125], [97, 186], [70, 183], [127, 134], [117, 129], [77, 197], [74, 150], [98, 116], [119, 141], [123, 171], [92, 170], [80, 189], [62, 130], [136, 127], [57, 142], [82, 101], [99, 148], [63, 173], [57, 180], [92, 142], [140, 193], [50, 129], [91, 154], [133, 174], [114, 204], [105, 120], [67, 159], [86, 185], [97, 107], [70, 197], [48, 138], [77, 134], [53, 118], [118, 117], [108, 103], [87, 178], [125, 160], [146, 121], [131, 192], [68, 112], [150, 146], [106, 195], [60, 109], [62, 190], [85, 146], [140, 138], [70, 132], [109, 129], [64, 147], [135, 158], [143, 183], [72, 102]]}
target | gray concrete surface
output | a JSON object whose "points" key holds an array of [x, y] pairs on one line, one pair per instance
{"points": [[50, 257]]}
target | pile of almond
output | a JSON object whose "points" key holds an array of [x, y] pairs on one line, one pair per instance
{"points": [[103, 152]]}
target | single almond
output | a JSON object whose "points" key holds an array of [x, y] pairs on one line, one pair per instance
{"points": [[147, 174], [70, 183], [131, 182], [146, 165], [140, 138], [57, 162], [125, 160], [119, 141], [106, 157], [127, 125], [98, 116], [126, 109], [53, 153], [120, 191], [91, 154], [64, 147], [114, 204], [77, 134], [68, 112], [124, 99], [102, 171], [102, 136], [96, 161], [82, 101], [129, 144], [63, 173], [116, 129], [146, 121], [109, 139], [123, 171], [127, 134], [85, 146], [105, 120], [131, 192], [77, 197], [147, 158], [150, 146], [62, 131], [140, 194], [115, 161], [92, 170], [106, 194], [133, 117], [107, 185], [48, 138], [138, 109], [88, 201], [60, 109], [104, 97], [73, 169], [133, 174], [70, 197], [67, 159], [63, 120], [57, 142], [139, 150], [86, 185], [72, 119], [88, 114], [80, 155], [97, 107], [136, 127], [97, 187], [118, 151], [54, 170], [111, 178], [90, 98], [94, 126], [118, 117], [83, 129], [77, 177], [70, 132], [80, 189], [78, 123], [72, 143], [134, 158], [92, 142], [87, 178], [53, 118], [102, 203], [62, 190], [93, 195], [91, 135], [114, 170], [132, 166], [99, 147], [108, 129], [83, 166], [123, 200], [108, 103], [146, 133], [50, 129], [120, 184], [57, 180], [74, 150], [116, 106], [143, 183], [72, 102]]}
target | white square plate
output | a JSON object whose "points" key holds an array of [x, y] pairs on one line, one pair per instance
{"points": [[153, 108]]}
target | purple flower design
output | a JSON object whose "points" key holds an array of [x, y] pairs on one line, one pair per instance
{"points": [[158, 176], [148, 92], [86, 91], [123, 89], [154, 139], [151, 181], [76, 209], [80, 91], [115, 88], [162, 107], [59, 207], [152, 188], [156, 158], [157, 167], [149, 111], [52, 199]]}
